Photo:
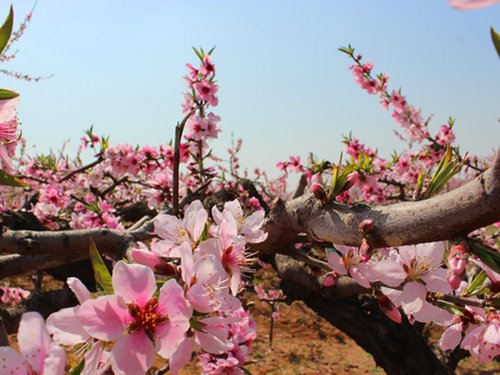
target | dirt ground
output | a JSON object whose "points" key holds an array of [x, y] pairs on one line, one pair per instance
{"points": [[303, 343]]}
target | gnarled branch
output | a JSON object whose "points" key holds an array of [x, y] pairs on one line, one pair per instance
{"points": [[453, 214]]}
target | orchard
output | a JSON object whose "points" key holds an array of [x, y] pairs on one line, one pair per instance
{"points": [[159, 244]]}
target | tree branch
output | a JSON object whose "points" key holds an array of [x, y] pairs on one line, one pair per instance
{"points": [[398, 348], [453, 214]]}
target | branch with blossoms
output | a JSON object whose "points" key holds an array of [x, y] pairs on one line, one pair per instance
{"points": [[453, 214], [197, 236]]}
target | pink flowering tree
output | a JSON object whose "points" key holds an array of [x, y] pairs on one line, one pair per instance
{"points": [[157, 242]]}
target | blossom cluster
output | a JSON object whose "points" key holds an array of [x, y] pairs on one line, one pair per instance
{"points": [[193, 306], [181, 294], [415, 279], [12, 295]]}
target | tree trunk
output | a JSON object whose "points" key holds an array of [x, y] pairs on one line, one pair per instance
{"points": [[398, 348]]}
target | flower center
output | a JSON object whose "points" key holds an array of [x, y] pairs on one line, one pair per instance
{"points": [[145, 318], [416, 268], [229, 258], [182, 235]]}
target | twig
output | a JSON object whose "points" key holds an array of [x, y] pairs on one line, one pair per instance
{"points": [[82, 169], [177, 159], [310, 261]]}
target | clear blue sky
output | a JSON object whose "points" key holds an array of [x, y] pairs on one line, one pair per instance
{"points": [[284, 87]]}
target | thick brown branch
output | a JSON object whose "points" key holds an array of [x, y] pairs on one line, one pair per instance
{"points": [[68, 242], [453, 214], [398, 348], [446, 216]]}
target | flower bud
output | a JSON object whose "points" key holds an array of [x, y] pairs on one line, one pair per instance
{"points": [[366, 226], [457, 259], [454, 281], [319, 192], [365, 251], [330, 279], [389, 308]]}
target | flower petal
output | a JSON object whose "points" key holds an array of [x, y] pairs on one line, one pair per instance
{"points": [[105, 318], [181, 356], [389, 272], [55, 362], [132, 354], [79, 289], [413, 297], [12, 362], [134, 282], [66, 328], [336, 263], [34, 340], [174, 304], [451, 337], [195, 218]]}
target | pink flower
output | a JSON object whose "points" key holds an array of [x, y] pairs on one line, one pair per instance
{"points": [[350, 263], [8, 109], [445, 135], [140, 323], [247, 227], [205, 280], [39, 354], [471, 4], [207, 68], [206, 91], [174, 231], [211, 334], [419, 268], [484, 341], [64, 325], [12, 296]]}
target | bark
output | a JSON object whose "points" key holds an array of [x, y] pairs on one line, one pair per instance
{"points": [[443, 217]]}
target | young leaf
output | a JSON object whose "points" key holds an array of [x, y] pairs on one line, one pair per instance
{"points": [[495, 37], [7, 94], [476, 285], [6, 30], [77, 370], [489, 257], [448, 167], [9, 180], [101, 273], [450, 308]]}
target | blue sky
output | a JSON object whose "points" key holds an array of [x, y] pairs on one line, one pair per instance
{"points": [[284, 87]]}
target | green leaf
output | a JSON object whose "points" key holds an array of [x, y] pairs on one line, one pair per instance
{"points": [[198, 53], [476, 285], [9, 180], [197, 325], [6, 30], [101, 273], [77, 370], [490, 258], [7, 94], [495, 37], [347, 50], [448, 167], [450, 308]]}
